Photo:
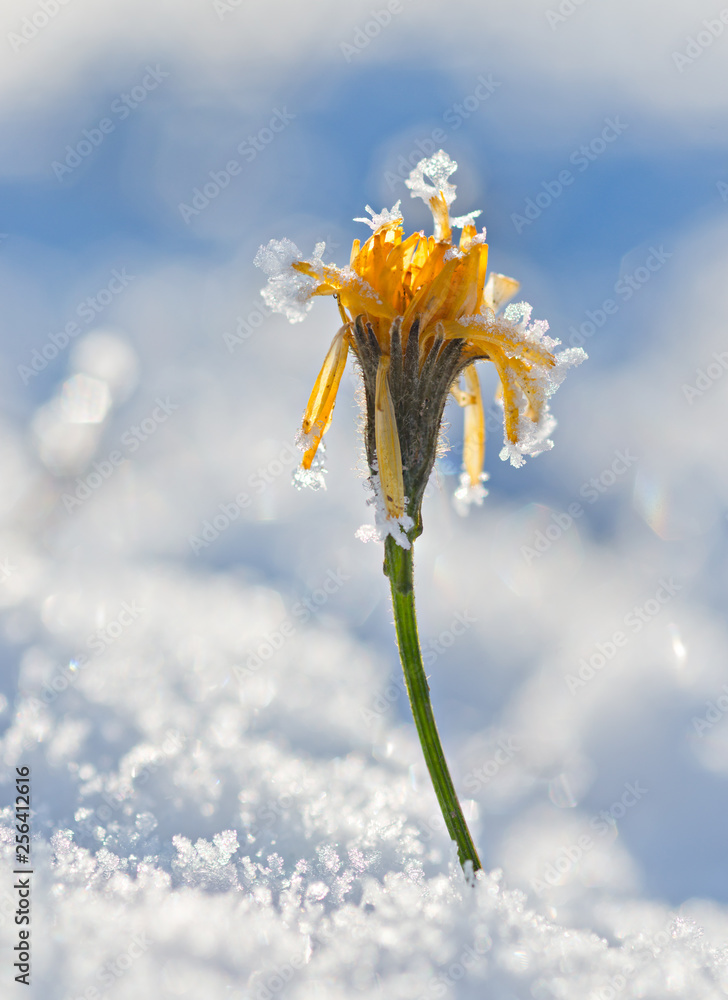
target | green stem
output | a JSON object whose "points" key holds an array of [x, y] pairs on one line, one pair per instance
{"points": [[398, 566]]}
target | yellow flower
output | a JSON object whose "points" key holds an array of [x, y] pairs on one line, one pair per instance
{"points": [[417, 313]]}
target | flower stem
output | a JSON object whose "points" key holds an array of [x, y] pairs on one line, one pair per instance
{"points": [[398, 566]]}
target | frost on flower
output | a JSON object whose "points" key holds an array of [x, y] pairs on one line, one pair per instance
{"points": [[288, 291], [379, 219], [384, 523], [313, 477], [418, 313], [436, 170], [469, 494]]}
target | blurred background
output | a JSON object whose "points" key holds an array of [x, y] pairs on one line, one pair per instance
{"points": [[573, 626]]}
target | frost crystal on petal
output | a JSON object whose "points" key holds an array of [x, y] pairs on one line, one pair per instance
{"points": [[468, 495], [437, 169], [384, 525], [467, 220], [313, 478], [288, 291], [532, 439], [383, 218], [518, 313], [564, 360]]}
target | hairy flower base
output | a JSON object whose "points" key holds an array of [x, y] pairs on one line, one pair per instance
{"points": [[404, 402]]}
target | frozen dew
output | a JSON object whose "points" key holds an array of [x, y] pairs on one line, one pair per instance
{"points": [[533, 439], [383, 218], [468, 495], [569, 358], [461, 221], [367, 533], [288, 291], [313, 478], [430, 176], [384, 524]]}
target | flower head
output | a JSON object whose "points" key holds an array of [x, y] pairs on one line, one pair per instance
{"points": [[418, 313]]}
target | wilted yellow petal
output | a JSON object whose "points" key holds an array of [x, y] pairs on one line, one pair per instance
{"points": [[474, 438], [389, 455], [467, 236], [320, 408], [432, 296], [441, 217], [498, 290], [468, 280], [509, 388], [354, 292]]}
